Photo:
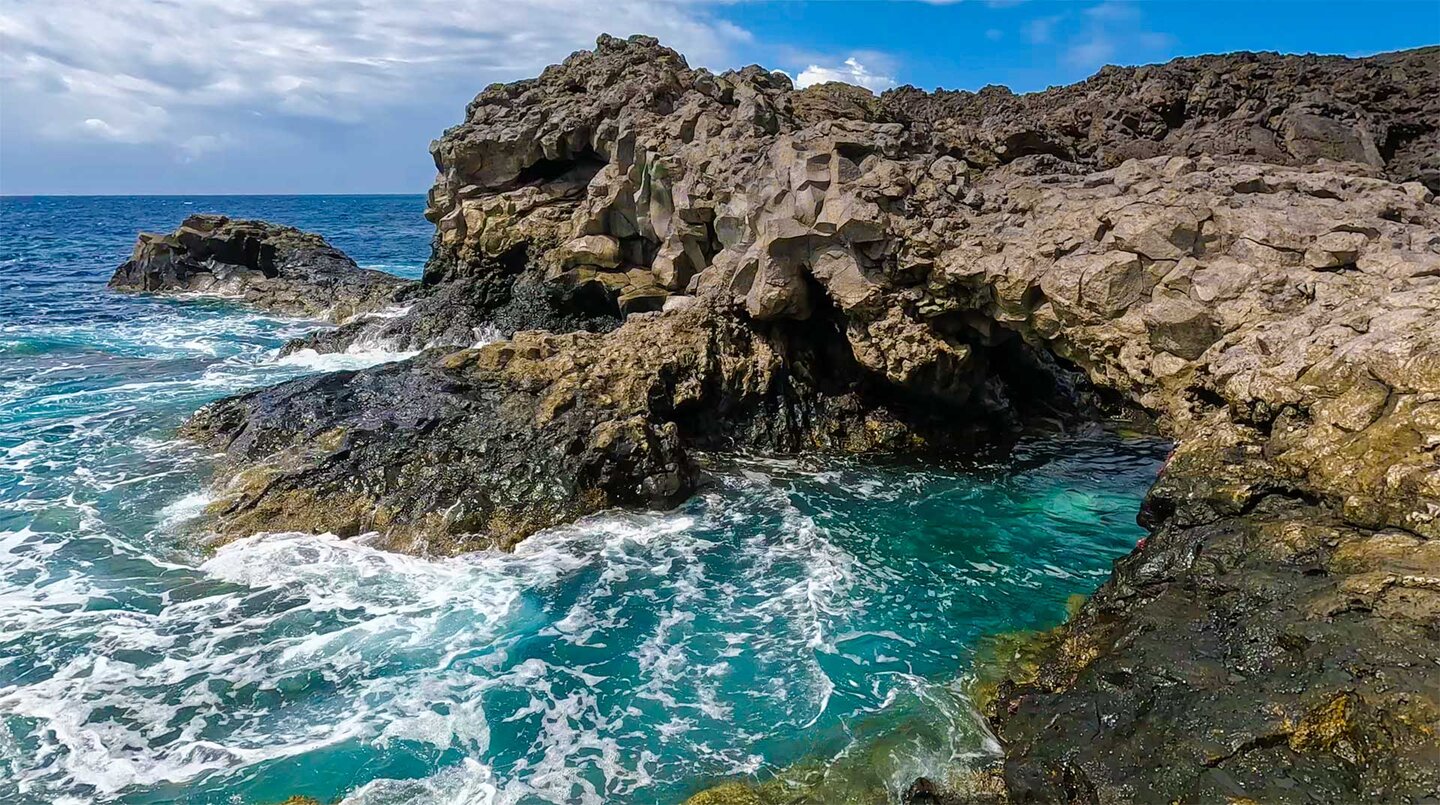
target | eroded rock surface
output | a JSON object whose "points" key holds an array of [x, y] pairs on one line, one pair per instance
{"points": [[277, 268], [1246, 247]]}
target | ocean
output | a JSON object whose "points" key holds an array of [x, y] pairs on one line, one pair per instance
{"points": [[806, 617]]}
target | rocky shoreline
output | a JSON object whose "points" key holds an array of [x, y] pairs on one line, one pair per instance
{"points": [[1246, 248]]}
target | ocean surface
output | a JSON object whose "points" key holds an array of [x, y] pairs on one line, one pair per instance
{"points": [[802, 618]]}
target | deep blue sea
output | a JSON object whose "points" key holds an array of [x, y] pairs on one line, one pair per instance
{"points": [[800, 614]]}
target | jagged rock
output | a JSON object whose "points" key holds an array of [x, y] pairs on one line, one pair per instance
{"points": [[481, 447], [642, 299], [278, 268], [1284, 110], [1180, 326], [904, 275], [1335, 250]]}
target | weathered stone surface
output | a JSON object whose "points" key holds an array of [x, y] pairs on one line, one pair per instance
{"points": [[601, 251], [1244, 246], [481, 447], [274, 267], [1284, 110]]}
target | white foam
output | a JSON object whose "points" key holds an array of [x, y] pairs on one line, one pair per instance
{"points": [[487, 334], [357, 357], [186, 508], [598, 636], [227, 638]]}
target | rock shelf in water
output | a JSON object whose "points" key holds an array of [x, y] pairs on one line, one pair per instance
{"points": [[1245, 247], [277, 268]]}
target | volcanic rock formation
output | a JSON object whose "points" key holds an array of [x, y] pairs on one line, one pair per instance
{"points": [[1245, 247], [277, 268]]}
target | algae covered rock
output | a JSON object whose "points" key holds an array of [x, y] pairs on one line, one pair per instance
{"points": [[727, 794]]}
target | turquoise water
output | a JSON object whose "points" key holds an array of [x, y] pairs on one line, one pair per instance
{"points": [[799, 612]]}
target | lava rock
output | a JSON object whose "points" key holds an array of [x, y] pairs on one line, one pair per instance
{"points": [[277, 268], [1243, 247]]}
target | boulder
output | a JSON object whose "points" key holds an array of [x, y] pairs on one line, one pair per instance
{"points": [[601, 251], [1180, 327], [1335, 250]]}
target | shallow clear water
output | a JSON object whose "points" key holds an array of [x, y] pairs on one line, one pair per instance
{"points": [[799, 612]]}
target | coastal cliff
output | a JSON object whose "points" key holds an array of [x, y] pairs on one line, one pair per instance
{"points": [[1245, 248]]}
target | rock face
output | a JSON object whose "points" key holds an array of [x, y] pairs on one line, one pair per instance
{"points": [[478, 448], [1246, 247], [274, 267]]}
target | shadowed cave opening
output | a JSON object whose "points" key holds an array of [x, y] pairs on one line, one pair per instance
{"points": [[581, 167]]}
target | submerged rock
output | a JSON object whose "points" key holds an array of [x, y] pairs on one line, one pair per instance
{"points": [[277, 268], [1246, 247]]}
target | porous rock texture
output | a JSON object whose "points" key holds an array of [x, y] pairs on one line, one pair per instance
{"points": [[1246, 247]]}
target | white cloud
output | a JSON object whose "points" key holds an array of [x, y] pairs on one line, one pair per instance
{"points": [[1041, 29], [1114, 32], [193, 148], [1113, 11], [1108, 32], [188, 74], [1094, 50], [851, 71]]}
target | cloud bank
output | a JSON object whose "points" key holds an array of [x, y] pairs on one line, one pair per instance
{"points": [[851, 71], [197, 77]]}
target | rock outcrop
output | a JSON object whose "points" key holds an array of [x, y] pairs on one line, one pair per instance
{"points": [[277, 268], [478, 448], [1246, 247]]}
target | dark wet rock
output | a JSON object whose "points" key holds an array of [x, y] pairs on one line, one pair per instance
{"points": [[463, 313], [500, 455], [277, 268], [1245, 247], [481, 447], [1276, 655], [478, 448]]}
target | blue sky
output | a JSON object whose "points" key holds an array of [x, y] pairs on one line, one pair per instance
{"points": [[343, 96]]}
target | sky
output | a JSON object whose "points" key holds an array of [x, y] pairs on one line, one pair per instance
{"points": [[344, 96]]}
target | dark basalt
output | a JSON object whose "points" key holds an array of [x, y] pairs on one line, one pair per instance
{"points": [[1274, 655], [1268, 107], [477, 448], [277, 268], [1244, 247], [433, 455]]}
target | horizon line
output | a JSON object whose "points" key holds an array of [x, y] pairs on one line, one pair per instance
{"points": [[191, 195]]}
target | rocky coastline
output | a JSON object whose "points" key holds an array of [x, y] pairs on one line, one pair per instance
{"points": [[1243, 248]]}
